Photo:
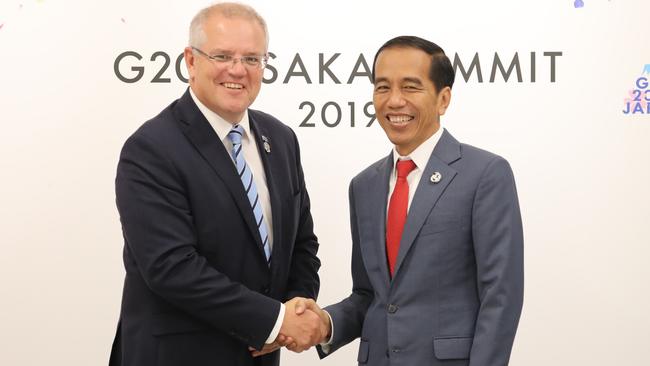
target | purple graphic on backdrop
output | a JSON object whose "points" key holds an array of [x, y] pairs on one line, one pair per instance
{"points": [[578, 4], [638, 100]]}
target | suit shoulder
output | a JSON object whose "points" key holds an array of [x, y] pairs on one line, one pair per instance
{"points": [[478, 155], [158, 129], [370, 172], [486, 164]]}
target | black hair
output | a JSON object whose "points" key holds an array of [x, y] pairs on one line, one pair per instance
{"points": [[441, 72]]}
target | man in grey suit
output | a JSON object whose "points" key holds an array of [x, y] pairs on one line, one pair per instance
{"points": [[437, 256]]}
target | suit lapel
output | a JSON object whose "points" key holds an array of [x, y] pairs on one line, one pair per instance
{"points": [[447, 151], [198, 130], [377, 214]]}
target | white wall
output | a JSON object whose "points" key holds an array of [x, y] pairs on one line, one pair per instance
{"points": [[581, 164]]}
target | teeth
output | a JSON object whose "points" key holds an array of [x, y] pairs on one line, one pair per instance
{"points": [[233, 86], [398, 119]]}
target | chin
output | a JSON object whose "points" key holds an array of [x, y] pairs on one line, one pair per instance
{"points": [[397, 141]]}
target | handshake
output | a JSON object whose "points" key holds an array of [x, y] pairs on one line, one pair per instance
{"points": [[305, 325]]}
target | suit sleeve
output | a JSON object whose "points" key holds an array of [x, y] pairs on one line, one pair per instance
{"points": [[158, 228], [498, 247], [349, 314], [303, 272]]}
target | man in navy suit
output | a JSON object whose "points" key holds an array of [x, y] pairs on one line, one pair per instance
{"points": [[437, 243], [215, 215]]}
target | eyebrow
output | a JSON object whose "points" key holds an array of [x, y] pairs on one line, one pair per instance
{"points": [[405, 80], [219, 51], [412, 80]]}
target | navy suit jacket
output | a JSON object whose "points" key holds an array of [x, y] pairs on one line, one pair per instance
{"points": [[198, 290], [456, 295]]}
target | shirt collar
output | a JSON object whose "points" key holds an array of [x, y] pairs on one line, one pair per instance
{"points": [[422, 153], [220, 125]]}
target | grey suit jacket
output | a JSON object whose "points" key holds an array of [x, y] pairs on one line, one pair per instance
{"points": [[457, 292]]}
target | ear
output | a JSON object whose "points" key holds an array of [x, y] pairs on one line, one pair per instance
{"points": [[444, 98], [189, 62]]}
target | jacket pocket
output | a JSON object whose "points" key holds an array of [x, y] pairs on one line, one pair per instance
{"points": [[363, 351], [452, 348]]}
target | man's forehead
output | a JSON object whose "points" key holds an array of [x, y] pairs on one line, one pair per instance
{"points": [[220, 21], [221, 28]]}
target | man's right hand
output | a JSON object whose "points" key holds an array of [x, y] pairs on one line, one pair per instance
{"points": [[303, 305], [303, 324]]}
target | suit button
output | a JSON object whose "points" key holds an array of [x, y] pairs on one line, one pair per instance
{"points": [[265, 290], [396, 350], [392, 308]]}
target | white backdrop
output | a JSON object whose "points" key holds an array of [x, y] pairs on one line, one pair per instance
{"points": [[580, 163]]}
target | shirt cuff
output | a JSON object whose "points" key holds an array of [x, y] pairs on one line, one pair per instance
{"points": [[276, 328], [325, 346]]}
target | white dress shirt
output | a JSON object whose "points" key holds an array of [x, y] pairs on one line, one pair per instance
{"points": [[420, 157], [254, 162]]}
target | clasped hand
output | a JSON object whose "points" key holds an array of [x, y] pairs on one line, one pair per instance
{"points": [[305, 325]]}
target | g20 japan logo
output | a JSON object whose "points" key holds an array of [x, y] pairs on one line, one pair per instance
{"points": [[638, 100]]}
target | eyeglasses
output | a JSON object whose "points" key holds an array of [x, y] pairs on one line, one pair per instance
{"points": [[253, 61]]}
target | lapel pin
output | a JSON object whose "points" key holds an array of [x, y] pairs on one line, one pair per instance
{"points": [[267, 146], [436, 177]]}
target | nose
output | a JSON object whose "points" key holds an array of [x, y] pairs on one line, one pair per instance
{"points": [[396, 99], [237, 68]]}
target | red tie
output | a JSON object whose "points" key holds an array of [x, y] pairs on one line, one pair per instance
{"points": [[397, 209]]}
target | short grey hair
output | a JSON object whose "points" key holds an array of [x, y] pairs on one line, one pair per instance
{"points": [[228, 10]]}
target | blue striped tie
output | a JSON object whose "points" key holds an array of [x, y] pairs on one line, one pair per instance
{"points": [[246, 177]]}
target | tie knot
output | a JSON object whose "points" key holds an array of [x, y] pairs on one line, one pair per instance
{"points": [[404, 167], [236, 134]]}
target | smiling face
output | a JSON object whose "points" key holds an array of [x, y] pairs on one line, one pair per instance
{"points": [[225, 88], [406, 102]]}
